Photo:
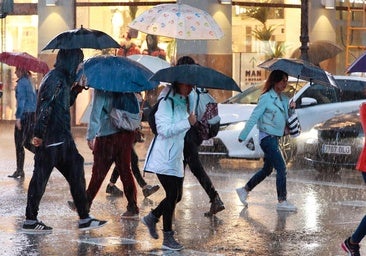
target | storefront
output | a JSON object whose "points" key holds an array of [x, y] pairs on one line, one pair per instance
{"points": [[254, 31]]}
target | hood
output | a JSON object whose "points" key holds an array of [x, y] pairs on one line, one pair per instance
{"points": [[341, 122], [232, 113], [68, 60]]}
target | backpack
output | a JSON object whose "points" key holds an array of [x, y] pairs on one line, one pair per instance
{"points": [[125, 113], [151, 117], [207, 114]]}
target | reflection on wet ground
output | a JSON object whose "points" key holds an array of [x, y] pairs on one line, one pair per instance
{"points": [[330, 206]]}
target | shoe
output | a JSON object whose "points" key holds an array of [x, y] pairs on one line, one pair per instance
{"points": [[113, 190], [243, 195], [17, 174], [37, 228], [92, 224], [169, 243], [130, 215], [148, 190], [351, 249], [71, 205], [286, 206], [150, 222], [217, 205]]}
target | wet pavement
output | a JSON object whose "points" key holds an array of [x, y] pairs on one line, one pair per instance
{"points": [[329, 209]]}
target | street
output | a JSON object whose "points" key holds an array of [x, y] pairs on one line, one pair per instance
{"points": [[329, 209]]}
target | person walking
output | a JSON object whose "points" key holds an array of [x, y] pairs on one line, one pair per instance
{"points": [[165, 159], [352, 244], [270, 115], [110, 145], [26, 98], [55, 146]]}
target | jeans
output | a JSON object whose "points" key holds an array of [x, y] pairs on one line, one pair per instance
{"points": [[191, 143], [23, 137], [272, 159], [173, 187], [360, 231]]}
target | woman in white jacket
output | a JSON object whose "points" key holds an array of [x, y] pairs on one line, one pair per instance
{"points": [[165, 158]]}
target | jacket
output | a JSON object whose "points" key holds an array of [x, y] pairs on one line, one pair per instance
{"points": [[270, 115], [25, 94], [165, 153]]}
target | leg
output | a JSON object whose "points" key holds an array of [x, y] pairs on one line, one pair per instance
{"points": [[19, 150], [27, 127], [360, 232], [135, 168]]}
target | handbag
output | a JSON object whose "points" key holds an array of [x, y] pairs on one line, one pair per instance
{"points": [[293, 123]]}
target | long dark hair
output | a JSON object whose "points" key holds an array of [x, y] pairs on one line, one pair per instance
{"points": [[273, 78]]}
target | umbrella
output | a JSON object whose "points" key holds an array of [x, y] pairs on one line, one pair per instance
{"points": [[300, 69], [25, 61], [179, 21], [196, 75], [154, 64], [319, 51], [82, 38], [116, 74], [359, 65]]}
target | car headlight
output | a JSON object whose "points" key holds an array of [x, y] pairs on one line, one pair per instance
{"points": [[233, 126], [311, 137]]}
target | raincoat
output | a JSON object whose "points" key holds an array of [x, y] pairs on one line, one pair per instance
{"points": [[361, 163], [165, 155]]}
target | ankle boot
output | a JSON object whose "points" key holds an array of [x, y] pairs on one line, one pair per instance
{"points": [[16, 174], [150, 222], [170, 243], [216, 205]]}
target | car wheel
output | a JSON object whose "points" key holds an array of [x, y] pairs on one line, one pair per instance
{"points": [[288, 148]]}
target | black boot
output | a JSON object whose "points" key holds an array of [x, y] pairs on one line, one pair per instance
{"points": [[170, 243], [150, 222], [216, 205], [17, 174]]}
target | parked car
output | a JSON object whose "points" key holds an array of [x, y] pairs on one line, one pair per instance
{"points": [[335, 143], [315, 103]]}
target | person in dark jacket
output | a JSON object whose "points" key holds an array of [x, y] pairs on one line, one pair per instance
{"points": [[55, 146]]}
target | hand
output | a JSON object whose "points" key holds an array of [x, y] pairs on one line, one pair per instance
{"points": [[192, 119], [91, 144], [293, 104], [78, 88], [37, 141]]}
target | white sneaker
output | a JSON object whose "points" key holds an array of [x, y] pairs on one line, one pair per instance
{"points": [[286, 206], [242, 194]]}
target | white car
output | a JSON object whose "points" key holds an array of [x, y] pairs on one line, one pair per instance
{"points": [[314, 104]]}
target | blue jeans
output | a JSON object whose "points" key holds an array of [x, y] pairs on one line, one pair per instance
{"points": [[360, 231], [272, 159]]}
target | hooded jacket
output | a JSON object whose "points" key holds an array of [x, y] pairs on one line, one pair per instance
{"points": [[55, 98]]}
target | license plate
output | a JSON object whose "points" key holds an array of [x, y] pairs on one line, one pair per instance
{"points": [[335, 149], [207, 143]]}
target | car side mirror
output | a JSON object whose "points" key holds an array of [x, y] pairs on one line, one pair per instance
{"points": [[307, 101]]}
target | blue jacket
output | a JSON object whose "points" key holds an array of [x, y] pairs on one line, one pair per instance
{"points": [[270, 115], [26, 97]]}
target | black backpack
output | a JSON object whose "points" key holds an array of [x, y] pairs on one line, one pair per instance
{"points": [[151, 118]]}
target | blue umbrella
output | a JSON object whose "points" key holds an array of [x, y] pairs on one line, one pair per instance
{"points": [[116, 74]]}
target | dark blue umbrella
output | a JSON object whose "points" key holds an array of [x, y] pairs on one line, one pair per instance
{"points": [[300, 69], [359, 65], [116, 74], [197, 75]]}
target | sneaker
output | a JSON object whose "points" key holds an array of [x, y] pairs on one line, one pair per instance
{"points": [[351, 249], [243, 195], [129, 215], [169, 243], [148, 190], [217, 205], [150, 222], [71, 205], [113, 190], [286, 206], [92, 224], [37, 228]]}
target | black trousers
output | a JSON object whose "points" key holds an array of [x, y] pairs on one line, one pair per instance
{"points": [[23, 138], [192, 141], [70, 163], [135, 170]]}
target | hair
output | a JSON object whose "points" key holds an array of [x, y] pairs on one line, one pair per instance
{"points": [[23, 72], [273, 78], [185, 60]]}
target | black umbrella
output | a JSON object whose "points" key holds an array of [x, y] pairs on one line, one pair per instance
{"points": [[82, 38], [300, 69], [196, 75]]}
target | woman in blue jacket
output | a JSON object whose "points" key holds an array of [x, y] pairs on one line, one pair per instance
{"points": [[270, 116]]}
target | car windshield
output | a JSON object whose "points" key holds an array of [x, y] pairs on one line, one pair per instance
{"points": [[251, 95]]}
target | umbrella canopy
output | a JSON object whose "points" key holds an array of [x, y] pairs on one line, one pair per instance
{"points": [[116, 74], [179, 21], [154, 64], [196, 75], [82, 38], [300, 69], [359, 65], [25, 61], [319, 51]]}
